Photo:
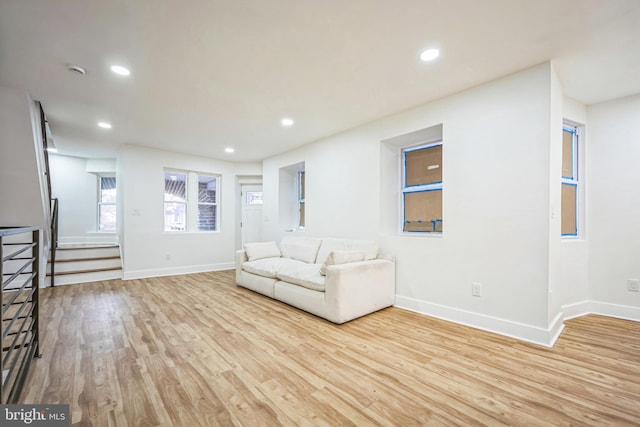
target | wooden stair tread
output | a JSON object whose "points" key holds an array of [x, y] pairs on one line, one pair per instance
{"points": [[93, 270], [81, 247], [86, 259]]}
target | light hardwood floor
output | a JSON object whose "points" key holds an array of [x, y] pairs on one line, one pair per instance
{"points": [[196, 350]]}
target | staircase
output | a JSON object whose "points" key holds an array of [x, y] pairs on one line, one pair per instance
{"points": [[85, 263]]}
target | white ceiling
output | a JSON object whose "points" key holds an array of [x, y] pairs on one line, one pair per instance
{"points": [[208, 74]]}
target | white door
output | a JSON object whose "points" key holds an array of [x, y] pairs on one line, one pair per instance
{"points": [[251, 213]]}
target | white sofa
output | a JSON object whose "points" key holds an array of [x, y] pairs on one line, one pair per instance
{"points": [[336, 279]]}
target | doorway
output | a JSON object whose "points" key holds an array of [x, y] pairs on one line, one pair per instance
{"points": [[251, 225]]}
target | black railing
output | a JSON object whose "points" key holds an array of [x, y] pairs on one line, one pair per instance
{"points": [[20, 273], [45, 147], [53, 201], [54, 238]]}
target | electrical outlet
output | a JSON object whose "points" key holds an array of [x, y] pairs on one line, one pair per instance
{"points": [[167, 256], [476, 289], [633, 285]]}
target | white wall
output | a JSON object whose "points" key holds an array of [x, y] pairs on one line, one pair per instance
{"points": [[101, 166], [573, 292], [574, 110], [148, 250], [496, 203], [22, 190], [554, 316], [74, 181], [614, 206], [19, 179]]}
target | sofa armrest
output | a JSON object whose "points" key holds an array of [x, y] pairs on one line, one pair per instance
{"points": [[358, 288], [241, 257], [382, 254]]}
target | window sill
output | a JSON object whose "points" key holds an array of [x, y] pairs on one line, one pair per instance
{"points": [[180, 233], [572, 239], [421, 234]]}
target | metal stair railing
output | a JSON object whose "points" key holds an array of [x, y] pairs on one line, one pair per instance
{"points": [[19, 298]]}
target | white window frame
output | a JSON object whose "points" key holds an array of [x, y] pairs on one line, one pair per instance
{"points": [[436, 186], [198, 203], [573, 180], [169, 172], [192, 201], [101, 203], [301, 187]]}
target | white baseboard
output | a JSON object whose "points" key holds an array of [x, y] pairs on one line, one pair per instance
{"points": [[533, 334], [603, 308], [556, 328], [571, 311], [174, 271]]}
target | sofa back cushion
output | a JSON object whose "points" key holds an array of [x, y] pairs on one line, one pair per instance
{"points": [[300, 248], [341, 257], [369, 247], [261, 250]]}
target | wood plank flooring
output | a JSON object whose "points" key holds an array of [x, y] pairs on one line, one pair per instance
{"points": [[196, 350]]}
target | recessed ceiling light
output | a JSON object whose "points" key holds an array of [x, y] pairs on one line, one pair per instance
{"points": [[287, 122], [429, 55], [120, 70], [229, 150], [104, 125]]}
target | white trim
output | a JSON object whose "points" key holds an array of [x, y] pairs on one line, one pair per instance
{"points": [[420, 146], [571, 311], [175, 271], [533, 334], [602, 308], [418, 188], [576, 179], [556, 328], [615, 310], [100, 203]]}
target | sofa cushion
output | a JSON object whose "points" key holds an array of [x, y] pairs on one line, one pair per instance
{"points": [[342, 257], [307, 276], [269, 267], [369, 247], [328, 245], [300, 248], [261, 250]]}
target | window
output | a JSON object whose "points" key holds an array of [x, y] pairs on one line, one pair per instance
{"points": [[301, 199], [254, 198], [422, 188], [569, 182], [291, 197], [175, 201], [107, 203], [207, 203], [190, 201]]}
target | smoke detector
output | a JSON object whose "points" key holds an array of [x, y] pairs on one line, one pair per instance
{"points": [[76, 69]]}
